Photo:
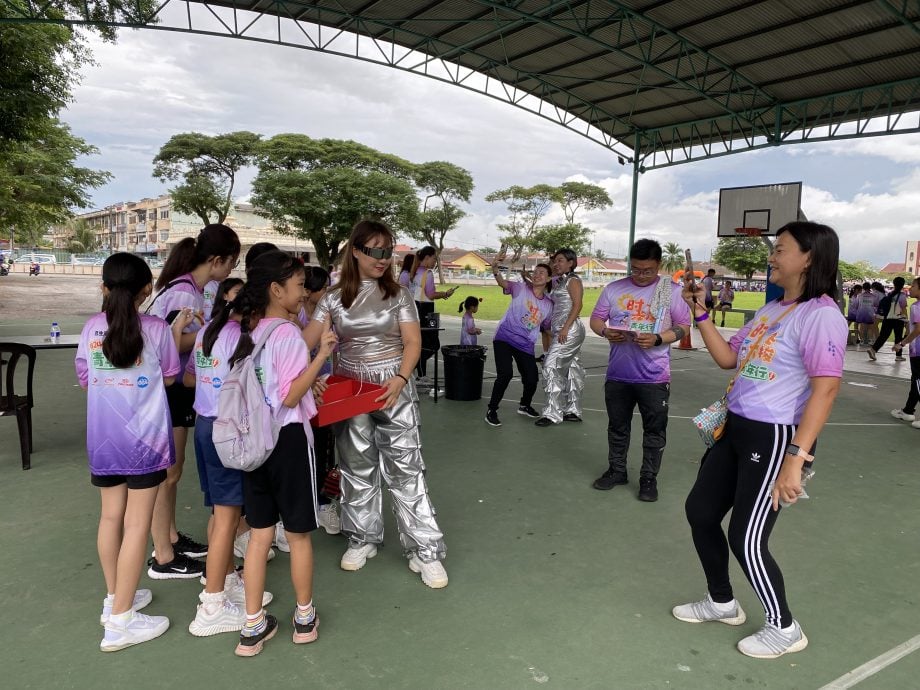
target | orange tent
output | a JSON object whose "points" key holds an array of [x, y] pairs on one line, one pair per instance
{"points": [[678, 276]]}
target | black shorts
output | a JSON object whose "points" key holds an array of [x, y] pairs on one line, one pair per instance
{"points": [[709, 303], [282, 488], [134, 481], [725, 305], [181, 401]]}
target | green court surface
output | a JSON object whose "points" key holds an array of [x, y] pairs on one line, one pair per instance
{"points": [[552, 583]]}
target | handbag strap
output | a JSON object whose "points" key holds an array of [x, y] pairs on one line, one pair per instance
{"points": [[755, 348]]}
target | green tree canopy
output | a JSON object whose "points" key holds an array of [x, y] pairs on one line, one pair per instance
{"points": [[550, 238], [672, 257], [743, 255], [318, 189], [443, 185], [574, 196], [207, 167], [527, 206], [40, 180]]}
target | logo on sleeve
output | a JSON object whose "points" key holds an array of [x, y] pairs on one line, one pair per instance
{"points": [[142, 382]]}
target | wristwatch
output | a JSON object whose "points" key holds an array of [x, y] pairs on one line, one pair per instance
{"points": [[658, 340], [798, 452]]}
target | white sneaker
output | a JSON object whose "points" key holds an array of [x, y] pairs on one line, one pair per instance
{"points": [[916, 425], [771, 642], [708, 610], [281, 542], [328, 519], [241, 543], [356, 556], [901, 414], [433, 573], [235, 591], [216, 614], [139, 628], [142, 597]]}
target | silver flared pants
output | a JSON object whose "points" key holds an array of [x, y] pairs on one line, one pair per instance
{"points": [[563, 375], [385, 447]]}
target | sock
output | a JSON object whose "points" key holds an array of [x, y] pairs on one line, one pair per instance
{"points": [[305, 612], [787, 630], [255, 624], [723, 606], [109, 599], [121, 618]]}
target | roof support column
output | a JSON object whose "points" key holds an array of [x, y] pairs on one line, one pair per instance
{"points": [[632, 205]]}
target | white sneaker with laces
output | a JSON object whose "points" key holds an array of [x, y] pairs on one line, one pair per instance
{"points": [[433, 573], [707, 610], [901, 414], [216, 614], [356, 556], [138, 628], [281, 542], [771, 642], [235, 591], [241, 543], [142, 597], [328, 518]]}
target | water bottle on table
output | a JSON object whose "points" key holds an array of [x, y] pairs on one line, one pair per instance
{"points": [[55, 332]]}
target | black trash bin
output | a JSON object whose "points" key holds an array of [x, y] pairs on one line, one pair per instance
{"points": [[463, 367]]}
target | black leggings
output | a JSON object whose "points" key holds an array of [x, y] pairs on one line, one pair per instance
{"points": [[889, 326], [526, 366], [737, 474], [914, 396]]}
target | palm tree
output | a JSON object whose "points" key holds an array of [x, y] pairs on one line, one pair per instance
{"points": [[83, 240], [673, 259]]}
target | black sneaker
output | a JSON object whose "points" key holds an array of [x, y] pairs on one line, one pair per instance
{"points": [[544, 421], [181, 567], [571, 417], [191, 548], [528, 411], [492, 418], [610, 479], [250, 645], [648, 489]]}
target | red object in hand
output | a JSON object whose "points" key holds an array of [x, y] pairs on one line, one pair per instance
{"points": [[345, 398]]}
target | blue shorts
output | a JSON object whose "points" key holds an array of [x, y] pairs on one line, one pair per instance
{"points": [[221, 486]]}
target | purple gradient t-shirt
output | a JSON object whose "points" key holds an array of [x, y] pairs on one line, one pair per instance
{"points": [[184, 293], [467, 324], [775, 384], [520, 326], [208, 295], [128, 428], [211, 372], [628, 362], [914, 345], [284, 358]]}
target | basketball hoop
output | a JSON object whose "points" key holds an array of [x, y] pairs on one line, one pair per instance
{"points": [[750, 232]]}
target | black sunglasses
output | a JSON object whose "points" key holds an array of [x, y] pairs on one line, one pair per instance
{"points": [[376, 252]]}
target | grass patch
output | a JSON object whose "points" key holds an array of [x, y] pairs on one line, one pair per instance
{"points": [[495, 303]]}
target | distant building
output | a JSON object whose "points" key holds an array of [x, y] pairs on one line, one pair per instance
{"points": [[153, 227], [892, 268], [912, 258]]}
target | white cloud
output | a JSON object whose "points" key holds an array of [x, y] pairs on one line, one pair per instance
{"points": [[153, 84]]}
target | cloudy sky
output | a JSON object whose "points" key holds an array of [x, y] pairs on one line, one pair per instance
{"points": [[153, 84]]}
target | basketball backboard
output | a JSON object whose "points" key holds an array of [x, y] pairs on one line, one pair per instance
{"points": [[768, 207]]}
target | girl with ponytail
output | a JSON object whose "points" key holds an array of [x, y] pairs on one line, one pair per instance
{"points": [[125, 360], [192, 264]]}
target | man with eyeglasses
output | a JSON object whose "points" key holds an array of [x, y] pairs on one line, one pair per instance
{"points": [[640, 316]]}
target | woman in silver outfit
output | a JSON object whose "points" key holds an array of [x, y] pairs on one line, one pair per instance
{"points": [[563, 375], [379, 341]]}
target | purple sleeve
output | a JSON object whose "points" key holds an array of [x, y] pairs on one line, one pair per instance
{"points": [[680, 312], [823, 343], [404, 278], [169, 355], [80, 361], [289, 357], [602, 308], [429, 284], [512, 287], [738, 338]]}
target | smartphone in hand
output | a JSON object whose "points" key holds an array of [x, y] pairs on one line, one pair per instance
{"points": [[689, 268]]}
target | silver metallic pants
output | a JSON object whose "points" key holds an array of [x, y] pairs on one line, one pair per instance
{"points": [[563, 375], [385, 446]]}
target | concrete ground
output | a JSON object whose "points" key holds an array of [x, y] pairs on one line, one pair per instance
{"points": [[551, 582]]}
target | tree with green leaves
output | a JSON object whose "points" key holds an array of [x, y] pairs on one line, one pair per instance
{"points": [[526, 206], [443, 185], [318, 189], [600, 254], [40, 180], [743, 255], [206, 167], [672, 257], [575, 196], [83, 239], [550, 238]]}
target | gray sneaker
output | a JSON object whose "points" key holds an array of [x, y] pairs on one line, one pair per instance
{"points": [[771, 642], [705, 611]]}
